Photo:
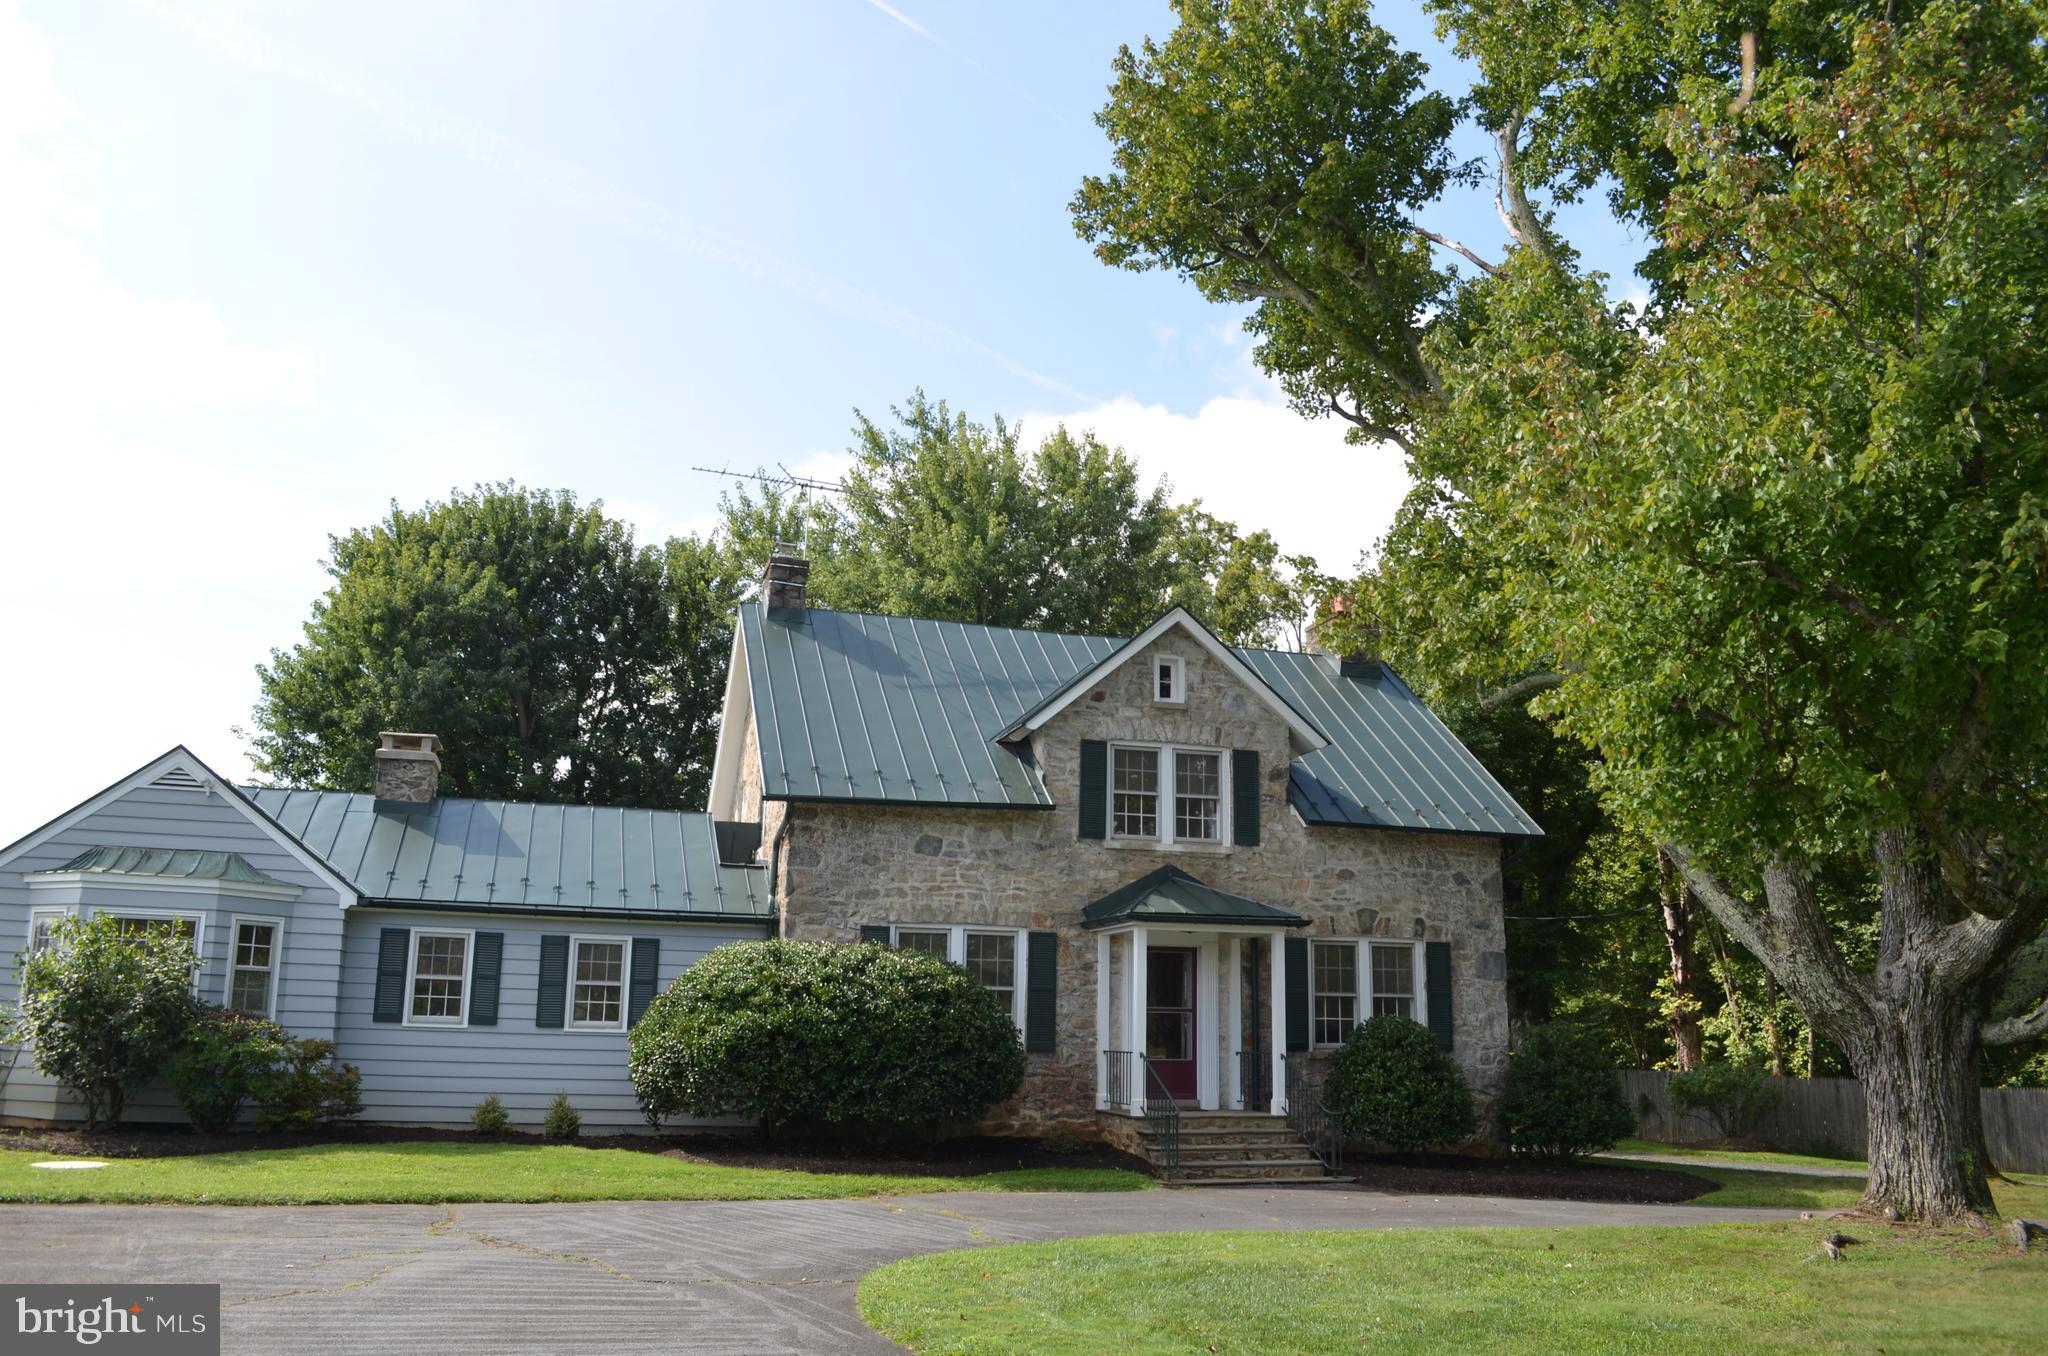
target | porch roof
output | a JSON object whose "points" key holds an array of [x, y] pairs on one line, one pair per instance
{"points": [[1171, 895]]}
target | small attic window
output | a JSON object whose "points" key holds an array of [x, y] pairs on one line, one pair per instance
{"points": [[1168, 681]]}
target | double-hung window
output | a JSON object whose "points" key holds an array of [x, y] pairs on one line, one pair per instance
{"points": [[1167, 795], [992, 959], [936, 942], [1393, 981], [438, 987], [598, 1000], [994, 956], [252, 968], [1333, 976], [42, 928]]}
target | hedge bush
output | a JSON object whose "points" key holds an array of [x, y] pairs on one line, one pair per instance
{"points": [[103, 1010], [227, 1059], [1391, 1083], [1730, 1095], [307, 1089], [796, 1033], [1563, 1097]]}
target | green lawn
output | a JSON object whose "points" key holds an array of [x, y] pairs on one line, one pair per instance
{"points": [[1647, 1146], [2024, 1195], [433, 1173], [1666, 1291]]}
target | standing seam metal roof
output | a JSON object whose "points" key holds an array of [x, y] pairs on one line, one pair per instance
{"points": [[519, 856], [858, 706]]}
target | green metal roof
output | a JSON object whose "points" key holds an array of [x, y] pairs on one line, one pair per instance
{"points": [[855, 706], [1171, 895], [513, 856], [174, 862]]}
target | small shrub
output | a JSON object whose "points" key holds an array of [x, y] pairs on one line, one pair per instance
{"points": [[1731, 1096], [813, 1032], [103, 1010], [1391, 1083], [1563, 1096], [307, 1089], [227, 1056], [563, 1121], [489, 1118]]}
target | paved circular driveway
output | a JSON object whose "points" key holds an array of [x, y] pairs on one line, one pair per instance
{"points": [[625, 1277]]}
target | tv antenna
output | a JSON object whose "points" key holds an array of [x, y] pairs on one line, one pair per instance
{"points": [[788, 478]]}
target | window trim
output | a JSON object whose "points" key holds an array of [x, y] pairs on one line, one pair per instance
{"points": [[1179, 666], [576, 942], [1418, 981], [1169, 796], [956, 952], [1358, 987], [412, 966], [227, 983], [201, 921], [52, 911]]}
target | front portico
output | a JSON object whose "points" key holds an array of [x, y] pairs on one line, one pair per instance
{"points": [[1190, 997]]}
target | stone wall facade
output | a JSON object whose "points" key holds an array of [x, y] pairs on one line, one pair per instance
{"points": [[842, 866]]}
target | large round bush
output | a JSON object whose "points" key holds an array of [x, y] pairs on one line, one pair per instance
{"points": [[1563, 1096], [1390, 1082], [799, 1032]]}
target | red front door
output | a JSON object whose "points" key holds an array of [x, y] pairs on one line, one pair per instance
{"points": [[1170, 1019]]}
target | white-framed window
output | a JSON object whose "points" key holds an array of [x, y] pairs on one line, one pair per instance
{"points": [[437, 979], [1169, 680], [994, 956], [1393, 981], [1162, 793], [1333, 989], [597, 984], [252, 967], [42, 924], [1351, 979], [142, 922]]}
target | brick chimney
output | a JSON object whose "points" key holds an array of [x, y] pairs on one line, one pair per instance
{"points": [[1361, 659], [408, 766], [786, 579]]}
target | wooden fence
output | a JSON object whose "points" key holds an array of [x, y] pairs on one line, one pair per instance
{"points": [[1825, 1115]]}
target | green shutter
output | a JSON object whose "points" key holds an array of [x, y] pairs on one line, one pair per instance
{"points": [[1437, 965], [552, 995], [1297, 993], [490, 962], [1244, 797], [878, 933], [646, 970], [1094, 802], [1041, 990], [392, 944]]}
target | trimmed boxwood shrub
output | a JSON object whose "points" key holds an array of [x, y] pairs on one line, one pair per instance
{"points": [[1392, 1083], [307, 1088], [1563, 1096], [794, 1033], [227, 1059]]}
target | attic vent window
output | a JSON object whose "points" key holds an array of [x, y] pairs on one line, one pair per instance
{"points": [[178, 779], [1168, 684]]}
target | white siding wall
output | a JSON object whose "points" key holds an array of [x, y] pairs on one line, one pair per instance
{"points": [[424, 1075]]}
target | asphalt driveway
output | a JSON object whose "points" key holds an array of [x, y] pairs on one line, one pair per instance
{"points": [[626, 1277]]}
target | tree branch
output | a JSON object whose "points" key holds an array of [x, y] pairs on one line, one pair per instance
{"points": [[1451, 244], [2013, 1030], [1520, 688], [1508, 198], [1748, 92], [1376, 430]]}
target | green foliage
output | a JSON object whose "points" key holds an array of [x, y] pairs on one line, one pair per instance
{"points": [[1563, 1098], [226, 1057], [1730, 1095], [563, 1121], [488, 1117], [810, 1033], [104, 1009], [556, 660], [1391, 1083], [306, 1089]]}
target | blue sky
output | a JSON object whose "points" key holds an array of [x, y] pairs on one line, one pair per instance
{"points": [[265, 268]]}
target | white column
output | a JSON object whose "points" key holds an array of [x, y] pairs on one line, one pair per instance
{"points": [[1208, 995], [1279, 986], [1233, 1015], [1101, 1017], [1134, 1029]]}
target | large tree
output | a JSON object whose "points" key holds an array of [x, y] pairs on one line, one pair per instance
{"points": [[1781, 560], [557, 660]]}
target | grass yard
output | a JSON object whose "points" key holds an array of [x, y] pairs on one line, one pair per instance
{"points": [[1647, 1146], [1663, 1291], [2023, 1195], [427, 1172]]}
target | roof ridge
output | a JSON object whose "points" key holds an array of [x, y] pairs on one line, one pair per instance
{"points": [[951, 621], [252, 789]]}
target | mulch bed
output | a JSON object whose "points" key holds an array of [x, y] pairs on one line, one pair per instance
{"points": [[965, 1157], [1443, 1175]]}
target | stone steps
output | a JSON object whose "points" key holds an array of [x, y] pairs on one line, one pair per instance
{"points": [[1250, 1170], [1246, 1147]]}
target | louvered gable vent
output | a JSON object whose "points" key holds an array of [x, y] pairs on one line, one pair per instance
{"points": [[178, 779]]}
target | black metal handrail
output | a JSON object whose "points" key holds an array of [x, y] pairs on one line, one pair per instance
{"points": [[1311, 1117], [1169, 1119], [1116, 1079], [1255, 1078]]}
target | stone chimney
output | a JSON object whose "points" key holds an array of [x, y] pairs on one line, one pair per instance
{"points": [[408, 766], [786, 579]]}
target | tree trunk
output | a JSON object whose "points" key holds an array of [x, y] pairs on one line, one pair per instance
{"points": [[1926, 1123], [1682, 1014], [1772, 1041]]}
